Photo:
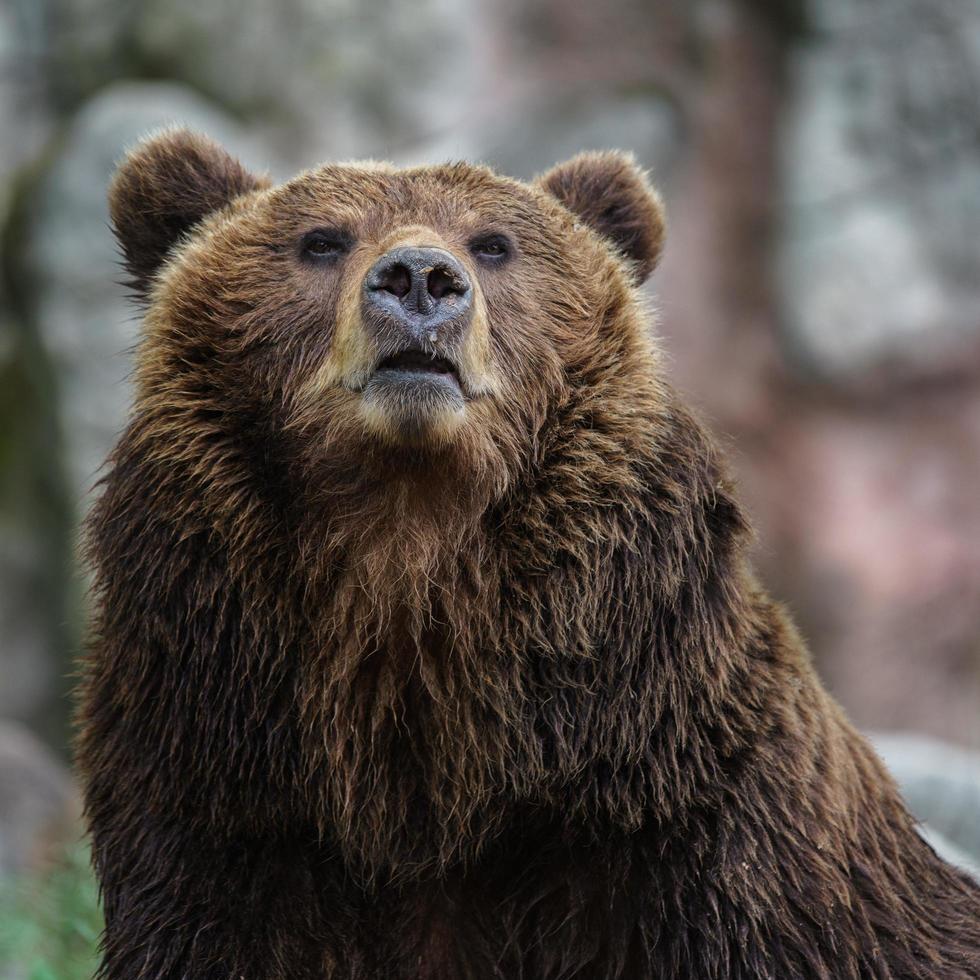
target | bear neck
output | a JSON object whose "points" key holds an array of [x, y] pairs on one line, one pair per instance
{"points": [[565, 647], [589, 644]]}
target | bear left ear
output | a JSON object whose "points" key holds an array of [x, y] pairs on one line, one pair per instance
{"points": [[162, 189], [612, 195]]}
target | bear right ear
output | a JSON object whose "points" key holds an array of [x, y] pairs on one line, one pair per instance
{"points": [[162, 189], [611, 194]]}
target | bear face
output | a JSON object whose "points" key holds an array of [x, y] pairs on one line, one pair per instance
{"points": [[377, 327]]}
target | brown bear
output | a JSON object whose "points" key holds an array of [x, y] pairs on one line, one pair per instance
{"points": [[426, 645]]}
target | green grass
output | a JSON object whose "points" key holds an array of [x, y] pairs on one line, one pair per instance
{"points": [[50, 922]]}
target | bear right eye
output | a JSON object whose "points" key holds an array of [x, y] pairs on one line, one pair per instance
{"points": [[491, 248], [325, 245]]}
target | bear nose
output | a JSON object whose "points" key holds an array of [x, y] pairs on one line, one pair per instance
{"points": [[421, 288]]}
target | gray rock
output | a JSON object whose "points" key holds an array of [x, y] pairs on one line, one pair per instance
{"points": [[949, 851], [331, 79], [941, 784], [38, 804], [878, 263]]}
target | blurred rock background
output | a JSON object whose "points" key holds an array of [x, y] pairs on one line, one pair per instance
{"points": [[819, 298]]}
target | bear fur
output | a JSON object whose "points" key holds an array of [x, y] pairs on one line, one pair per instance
{"points": [[399, 690]]}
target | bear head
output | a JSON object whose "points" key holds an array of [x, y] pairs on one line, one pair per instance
{"points": [[397, 335]]}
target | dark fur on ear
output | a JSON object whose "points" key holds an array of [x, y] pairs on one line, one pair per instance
{"points": [[164, 187], [612, 195]]}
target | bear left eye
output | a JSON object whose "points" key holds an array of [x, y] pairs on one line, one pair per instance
{"points": [[322, 244]]}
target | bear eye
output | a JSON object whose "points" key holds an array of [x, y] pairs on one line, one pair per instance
{"points": [[491, 248], [324, 244]]}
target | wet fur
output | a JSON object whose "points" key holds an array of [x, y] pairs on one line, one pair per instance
{"points": [[510, 705]]}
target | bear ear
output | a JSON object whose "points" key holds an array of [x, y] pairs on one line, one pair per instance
{"points": [[612, 195], [162, 189]]}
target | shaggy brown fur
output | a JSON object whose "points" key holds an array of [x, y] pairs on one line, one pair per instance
{"points": [[497, 700]]}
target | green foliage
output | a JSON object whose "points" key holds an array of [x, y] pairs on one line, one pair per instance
{"points": [[50, 922]]}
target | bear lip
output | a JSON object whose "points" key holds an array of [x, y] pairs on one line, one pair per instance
{"points": [[418, 362]]}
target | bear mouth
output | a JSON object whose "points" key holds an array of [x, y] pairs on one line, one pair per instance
{"points": [[417, 365]]}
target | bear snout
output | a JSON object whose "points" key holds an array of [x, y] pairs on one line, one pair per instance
{"points": [[415, 295]]}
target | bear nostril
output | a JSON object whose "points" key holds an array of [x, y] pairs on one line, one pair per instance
{"points": [[441, 282], [396, 279], [417, 287]]}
